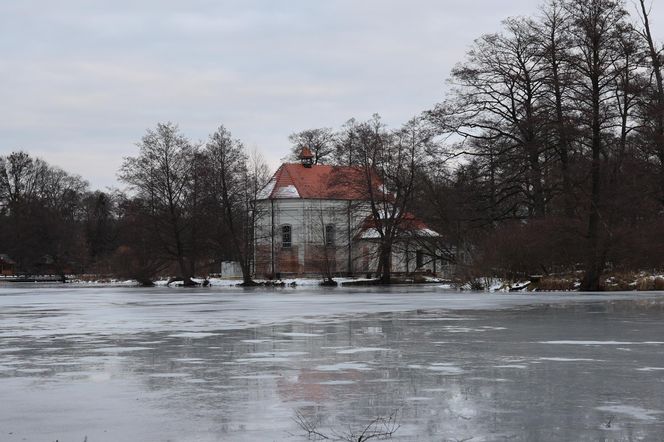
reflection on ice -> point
(207, 366)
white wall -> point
(308, 219)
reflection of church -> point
(315, 219)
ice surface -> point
(232, 364)
(602, 343)
(632, 411)
(299, 335)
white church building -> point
(314, 220)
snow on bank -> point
(291, 282)
(102, 282)
(214, 282)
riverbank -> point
(615, 281)
(569, 282)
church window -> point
(286, 236)
(330, 235)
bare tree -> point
(390, 163)
(595, 36)
(230, 188)
(497, 101)
(140, 255)
(320, 141)
(162, 175)
(42, 208)
(653, 118)
(346, 144)
(552, 31)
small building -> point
(231, 270)
(7, 265)
(314, 219)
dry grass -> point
(650, 283)
(556, 284)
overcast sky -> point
(81, 80)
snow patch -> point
(266, 191)
(445, 368)
(261, 360)
(352, 351)
(289, 191)
(601, 342)
(189, 360)
(193, 335)
(336, 383)
(630, 410)
(257, 376)
(344, 366)
(120, 349)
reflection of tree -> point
(382, 427)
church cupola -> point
(306, 157)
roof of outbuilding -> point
(319, 181)
(408, 225)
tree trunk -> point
(594, 258)
(386, 264)
(538, 199)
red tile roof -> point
(319, 182)
(407, 224)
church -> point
(316, 220)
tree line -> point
(185, 210)
(547, 154)
(545, 157)
(560, 120)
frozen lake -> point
(123, 364)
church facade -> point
(314, 220)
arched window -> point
(330, 235)
(286, 236)
(419, 259)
